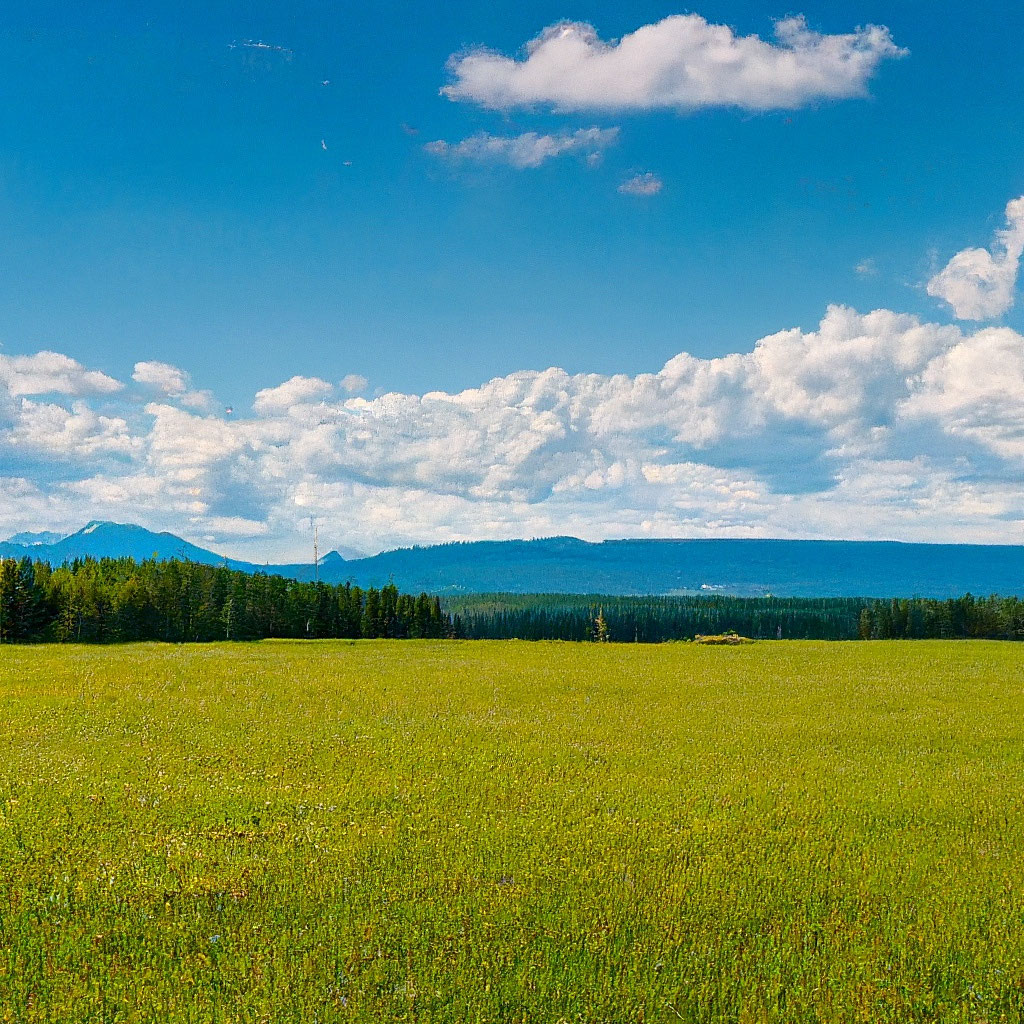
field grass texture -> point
(512, 832)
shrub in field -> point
(728, 639)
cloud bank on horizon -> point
(874, 425)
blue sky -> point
(172, 193)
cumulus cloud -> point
(353, 383)
(527, 150)
(76, 433)
(979, 283)
(52, 373)
(647, 184)
(682, 62)
(875, 424)
(976, 390)
(161, 376)
(172, 382)
(293, 392)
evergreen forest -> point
(657, 619)
(118, 599)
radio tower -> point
(316, 548)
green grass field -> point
(486, 831)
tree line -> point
(117, 599)
(657, 619)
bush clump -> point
(721, 638)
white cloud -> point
(527, 150)
(976, 390)
(173, 383)
(866, 268)
(231, 526)
(353, 383)
(259, 44)
(681, 63)
(162, 376)
(872, 424)
(292, 392)
(77, 433)
(47, 373)
(647, 184)
(979, 283)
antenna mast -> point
(316, 548)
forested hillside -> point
(119, 599)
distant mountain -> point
(790, 568)
(98, 539)
(125, 540)
(32, 539)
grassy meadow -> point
(511, 832)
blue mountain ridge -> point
(125, 540)
(785, 568)
(43, 537)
